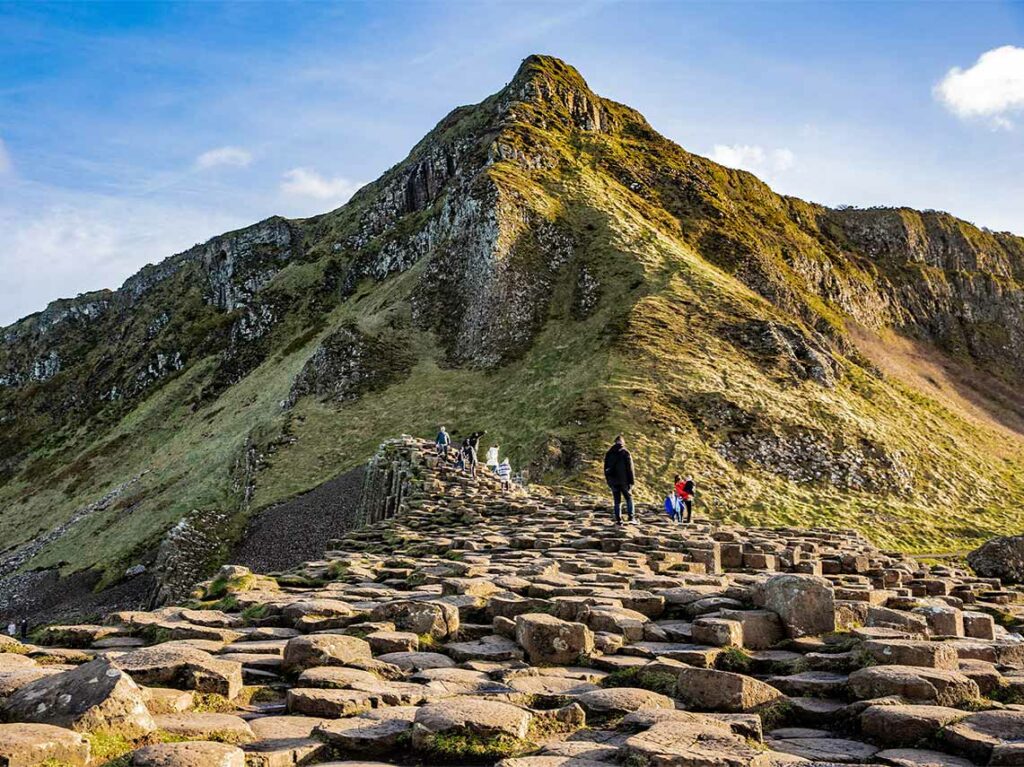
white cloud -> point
(754, 158)
(992, 88)
(55, 243)
(224, 155)
(5, 159)
(303, 182)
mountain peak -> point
(558, 89)
(538, 66)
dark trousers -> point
(686, 507)
(618, 493)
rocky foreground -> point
(475, 627)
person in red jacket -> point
(685, 489)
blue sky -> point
(130, 131)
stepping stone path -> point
(471, 625)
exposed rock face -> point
(1001, 558)
(349, 363)
(946, 281)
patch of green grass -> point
(429, 643)
(155, 634)
(462, 748)
(211, 703)
(255, 612)
(221, 587)
(663, 682)
(734, 659)
(226, 604)
(1010, 694)
(775, 715)
(107, 746)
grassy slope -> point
(581, 381)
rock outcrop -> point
(1001, 558)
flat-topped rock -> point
(906, 726)
(711, 690)
(913, 683)
(324, 650)
(191, 754)
(31, 745)
(185, 667)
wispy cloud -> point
(992, 89)
(224, 155)
(5, 159)
(59, 243)
(754, 158)
(305, 182)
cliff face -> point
(546, 266)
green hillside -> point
(545, 266)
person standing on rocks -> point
(469, 459)
(492, 457)
(685, 489)
(618, 473)
(444, 443)
(504, 472)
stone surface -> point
(184, 667)
(547, 639)
(1001, 558)
(31, 745)
(944, 688)
(804, 603)
(324, 650)
(711, 690)
(93, 697)
(194, 754)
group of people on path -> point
(619, 474)
(467, 456)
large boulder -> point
(437, 619)
(706, 689)
(979, 735)
(804, 603)
(549, 640)
(906, 726)
(1001, 558)
(30, 745)
(93, 697)
(325, 650)
(473, 721)
(914, 683)
(184, 667)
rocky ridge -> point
(523, 628)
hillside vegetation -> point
(545, 266)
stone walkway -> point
(480, 627)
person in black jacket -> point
(618, 473)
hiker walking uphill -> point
(618, 473)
